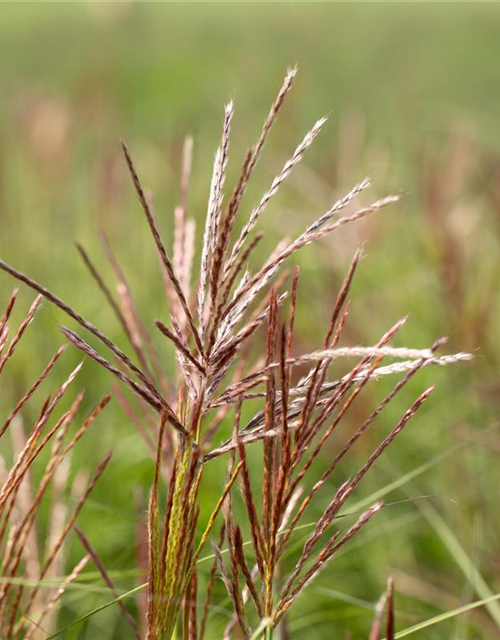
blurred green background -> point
(413, 93)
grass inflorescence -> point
(280, 402)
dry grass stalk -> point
(384, 605)
(390, 629)
(24, 608)
(36, 625)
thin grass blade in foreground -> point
(448, 615)
(91, 554)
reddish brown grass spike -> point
(160, 246)
(102, 570)
(390, 623)
(78, 318)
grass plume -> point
(213, 329)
